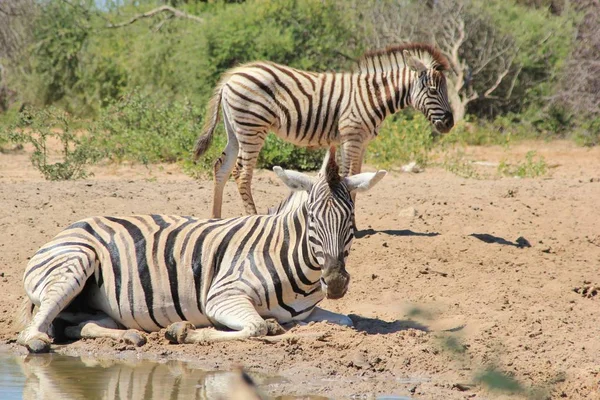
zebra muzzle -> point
(335, 287)
(443, 125)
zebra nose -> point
(449, 119)
(445, 123)
(334, 282)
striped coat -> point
(320, 109)
(148, 272)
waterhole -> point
(59, 377)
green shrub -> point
(41, 128)
(287, 155)
(455, 161)
(530, 168)
(588, 133)
(144, 129)
(402, 138)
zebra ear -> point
(293, 179)
(365, 181)
(413, 63)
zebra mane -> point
(292, 202)
(390, 57)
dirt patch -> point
(449, 276)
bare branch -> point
(499, 79)
(175, 12)
(512, 82)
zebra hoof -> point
(38, 346)
(273, 327)
(177, 332)
(135, 338)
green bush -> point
(286, 155)
(143, 129)
(52, 127)
(402, 138)
(588, 133)
(532, 167)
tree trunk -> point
(457, 103)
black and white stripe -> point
(147, 272)
(320, 109)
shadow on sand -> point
(392, 232)
(521, 242)
(374, 326)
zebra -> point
(319, 109)
(248, 274)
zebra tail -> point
(25, 314)
(212, 118)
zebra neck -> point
(385, 91)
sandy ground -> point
(442, 245)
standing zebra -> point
(319, 109)
(148, 272)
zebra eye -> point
(432, 90)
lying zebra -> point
(147, 272)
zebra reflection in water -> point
(55, 377)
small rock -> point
(411, 167)
(460, 386)
(360, 362)
(409, 212)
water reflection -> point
(55, 377)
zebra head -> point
(330, 215)
(429, 93)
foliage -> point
(488, 374)
(498, 380)
(588, 133)
(286, 155)
(59, 36)
(402, 138)
(456, 162)
(532, 167)
(48, 128)
(143, 129)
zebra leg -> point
(320, 315)
(224, 165)
(243, 319)
(352, 150)
(247, 158)
(356, 168)
(105, 327)
(59, 289)
(352, 157)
